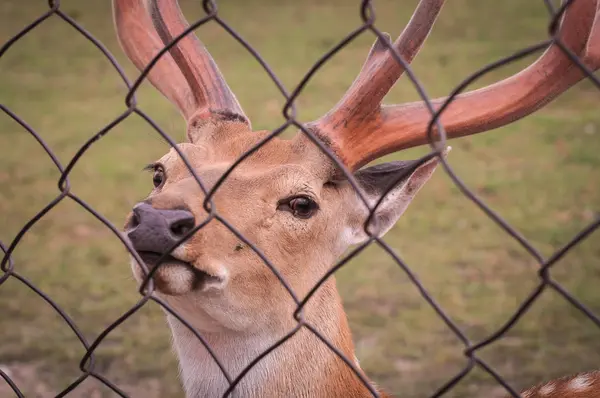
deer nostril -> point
(134, 221)
(137, 215)
(181, 227)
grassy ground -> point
(541, 174)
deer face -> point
(287, 198)
(282, 199)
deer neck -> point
(302, 366)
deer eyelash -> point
(153, 167)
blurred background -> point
(541, 174)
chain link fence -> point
(367, 11)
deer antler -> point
(359, 129)
(187, 75)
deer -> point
(293, 204)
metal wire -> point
(366, 10)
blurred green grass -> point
(541, 174)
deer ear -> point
(384, 178)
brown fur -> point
(582, 385)
(254, 301)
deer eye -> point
(158, 177)
(300, 206)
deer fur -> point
(248, 309)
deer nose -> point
(157, 230)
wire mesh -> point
(368, 15)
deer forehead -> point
(260, 174)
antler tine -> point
(381, 71)
(187, 74)
(378, 74)
(391, 128)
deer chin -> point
(175, 277)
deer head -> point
(288, 198)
